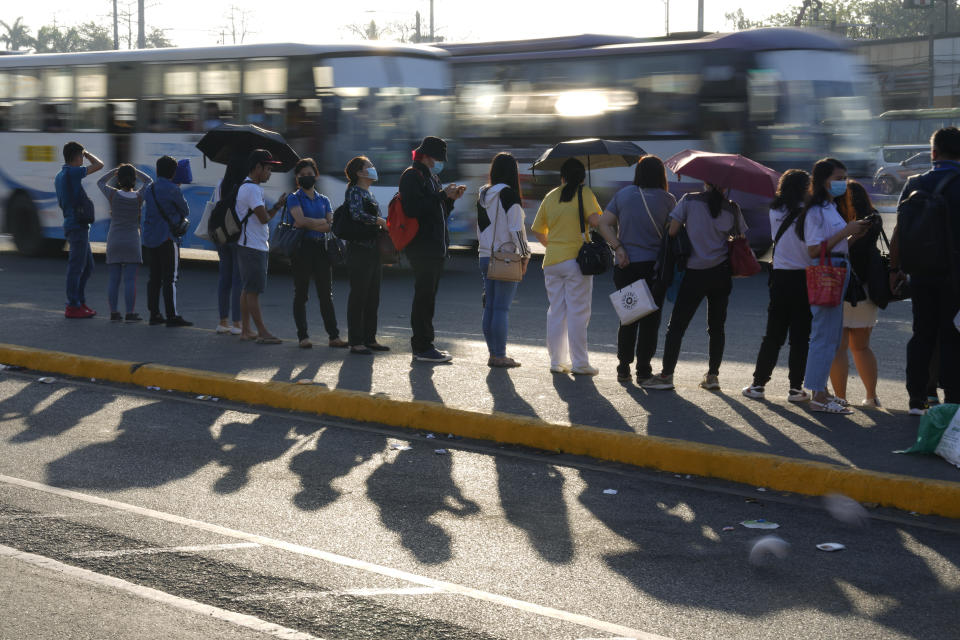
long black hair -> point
(715, 199)
(819, 188)
(650, 173)
(503, 170)
(573, 173)
(236, 172)
(792, 193)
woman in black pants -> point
(633, 224)
(363, 259)
(789, 310)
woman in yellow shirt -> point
(570, 293)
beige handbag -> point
(504, 265)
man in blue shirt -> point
(165, 208)
(73, 201)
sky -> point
(199, 23)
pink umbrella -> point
(725, 170)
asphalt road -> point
(341, 532)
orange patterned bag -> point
(825, 281)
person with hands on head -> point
(363, 258)
(72, 198)
(312, 212)
(633, 224)
(425, 199)
(253, 248)
(821, 223)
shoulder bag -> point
(595, 256)
(179, 229)
(743, 263)
(504, 265)
(825, 281)
(286, 238)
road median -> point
(927, 496)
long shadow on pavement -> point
(585, 403)
(335, 454)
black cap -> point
(260, 156)
(434, 147)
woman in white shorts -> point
(859, 319)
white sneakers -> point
(577, 371)
(223, 330)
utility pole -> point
(666, 17)
(431, 22)
(700, 16)
(416, 34)
(116, 28)
(141, 29)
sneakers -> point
(177, 321)
(77, 312)
(376, 346)
(305, 344)
(156, 318)
(755, 391)
(115, 316)
(130, 318)
(623, 372)
(88, 310)
(236, 331)
(560, 368)
(797, 395)
(660, 382)
(223, 329)
(918, 411)
(433, 355)
(871, 403)
(585, 370)
(710, 382)
(338, 343)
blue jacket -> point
(156, 229)
(68, 186)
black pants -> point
(426, 280)
(935, 304)
(788, 312)
(164, 262)
(310, 261)
(714, 284)
(363, 264)
(639, 337)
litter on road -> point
(430, 436)
(46, 380)
(304, 381)
(610, 492)
(846, 510)
(768, 546)
(202, 398)
(831, 546)
(759, 523)
(729, 528)
(760, 489)
(153, 388)
(441, 452)
(396, 446)
(11, 367)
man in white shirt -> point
(253, 248)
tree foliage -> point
(53, 38)
(17, 35)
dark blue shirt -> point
(68, 185)
(156, 229)
(929, 180)
(317, 208)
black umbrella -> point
(592, 152)
(222, 143)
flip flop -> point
(829, 407)
(269, 340)
(250, 337)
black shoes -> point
(176, 321)
(156, 318)
(132, 317)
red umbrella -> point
(725, 170)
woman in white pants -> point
(557, 227)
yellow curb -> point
(778, 473)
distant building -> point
(902, 68)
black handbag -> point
(855, 291)
(286, 238)
(177, 229)
(335, 248)
(595, 256)
(83, 211)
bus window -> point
(180, 80)
(57, 83)
(91, 83)
(267, 113)
(56, 116)
(904, 131)
(25, 115)
(265, 77)
(91, 115)
(121, 116)
(172, 115)
(217, 112)
(220, 79)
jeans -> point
(310, 261)
(826, 331)
(426, 281)
(129, 272)
(164, 263)
(363, 264)
(639, 337)
(498, 296)
(789, 311)
(79, 265)
(570, 294)
(228, 283)
(714, 284)
(935, 304)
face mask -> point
(307, 182)
(437, 167)
(838, 188)
(372, 173)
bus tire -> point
(23, 223)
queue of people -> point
(817, 217)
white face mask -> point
(372, 173)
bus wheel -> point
(24, 225)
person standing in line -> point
(569, 292)
(500, 227)
(710, 219)
(363, 258)
(789, 309)
(859, 320)
(123, 238)
(822, 223)
(934, 298)
(426, 200)
(71, 197)
(312, 212)
(253, 248)
(633, 224)
(228, 273)
(165, 208)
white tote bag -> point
(633, 302)
(201, 230)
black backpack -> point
(924, 231)
(346, 228)
(225, 225)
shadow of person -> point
(61, 415)
(422, 385)
(334, 454)
(586, 405)
(407, 504)
(156, 443)
(356, 372)
(545, 522)
(244, 446)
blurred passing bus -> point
(330, 102)
(915, 126)
(783, 97)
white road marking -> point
(362, 592)
(239, 619)
(151, 550)
(362, 565)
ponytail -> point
(573, 173)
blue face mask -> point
(838, 188)
(437, 167)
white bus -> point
(331, 102)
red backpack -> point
(402, 228)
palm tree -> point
(17, 36)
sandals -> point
(502, 362)
(830, 406)
(269, 340)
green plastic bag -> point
(932, 427)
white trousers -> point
(570, 294)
